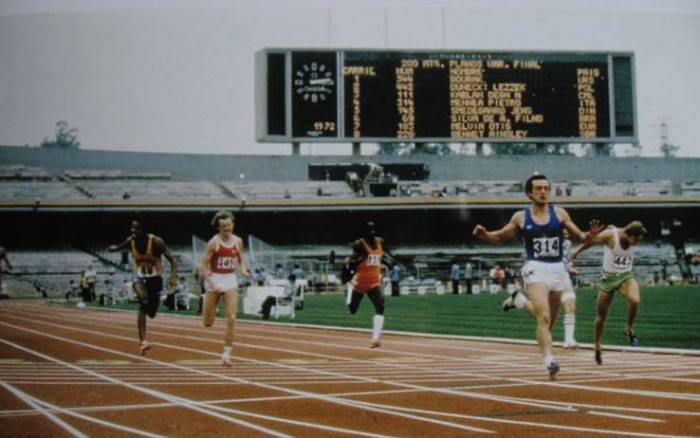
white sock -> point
(227, 351)
(548, 360)
(377, 326)
(569, 326)
(519, 300)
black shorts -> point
(149, 303)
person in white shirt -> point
(618, 257)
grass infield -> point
(668, 317)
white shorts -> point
(222, 282)
(554, 275)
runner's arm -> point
(601, 237)
(204, 270)
(172, 279)
(506, 233)
(124, 244)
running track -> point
(71, 372)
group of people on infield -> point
(544, 228)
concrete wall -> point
(295, 168)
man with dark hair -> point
(618, 257)
(222, 261)
(366, 263)
(147, 251)
(541, 226)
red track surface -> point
(67, 372)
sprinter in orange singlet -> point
(366, 261)
(222, 262)
(147, 251)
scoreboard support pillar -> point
(356, 148)
(296, 148)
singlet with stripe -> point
(542, 242)
(225, 257)
(369, 271)
(146, 264)
(617, 260)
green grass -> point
(668, 316)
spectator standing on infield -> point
(469, 276)
(454, 276)
(540, 226)
(87, 284)
(147, 251)
(618, 258)
(395, 278)
(222, 261)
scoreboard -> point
(424, 96)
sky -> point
(178, 76)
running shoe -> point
(375, 343)
(226, 360)
(144, 347)
(553, 369)
(599, 357)
(509, 302)
(632, 338)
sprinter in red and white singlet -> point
(222, 262)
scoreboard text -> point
(355, 96)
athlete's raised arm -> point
(509, 231)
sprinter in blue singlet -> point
(540, 226)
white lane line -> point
(543, 425)
(182, 402)
(672, 395)
(169, 334)
(107, 408)
(62, 424)
(349, 403)
(381, 408)
(56, 409)
(585, 406)
(627, 417)
(683, 396)
(282, 365)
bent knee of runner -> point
(544, 319)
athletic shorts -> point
(222, 282)
(612, 281)
(554, 275)
(149, 303)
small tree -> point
(66, 137)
